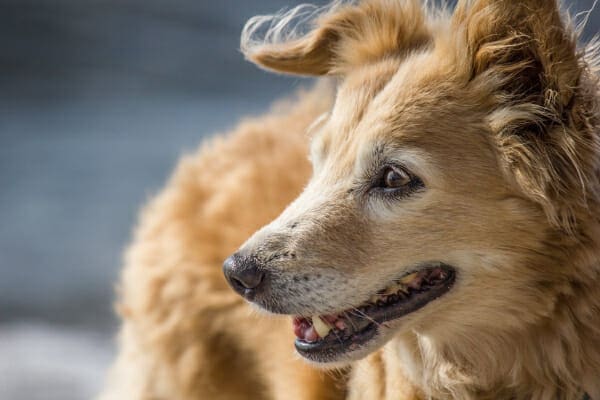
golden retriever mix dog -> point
(446, 245)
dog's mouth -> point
(324, 338)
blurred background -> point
(98, 100)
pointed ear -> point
(524, 54)
(340, 37)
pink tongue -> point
(310, 335)
(304, 329)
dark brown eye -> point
(394, 182)
(395, 178)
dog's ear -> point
(543, 122)
(525, 42)
(340, 36)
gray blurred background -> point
(98, 99)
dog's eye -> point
(395, 178)
(395, 181)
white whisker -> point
(363, 315)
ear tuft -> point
(288, 41)
(316, 41)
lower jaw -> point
(334, 352)
(334, 348)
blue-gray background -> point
(98, 99)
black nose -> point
(244, 275)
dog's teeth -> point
(408, 278)
(321, 327)
(391, 290)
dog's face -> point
(415, 218)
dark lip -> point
(331, 348)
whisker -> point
(365, 316)
(351, 322)
(337, 336)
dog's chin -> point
(340, 358)
(351, 334)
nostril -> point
(249, 278)
(238, 285)
(243, 274)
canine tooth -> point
(408, 278)
(320, 326)
(391, 290)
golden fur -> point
(494, 107)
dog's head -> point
(450, 177)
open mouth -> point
(324, 338)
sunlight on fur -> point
(443, 242)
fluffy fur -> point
(494, 107)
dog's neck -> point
(557, 357)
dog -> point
(445, 246)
